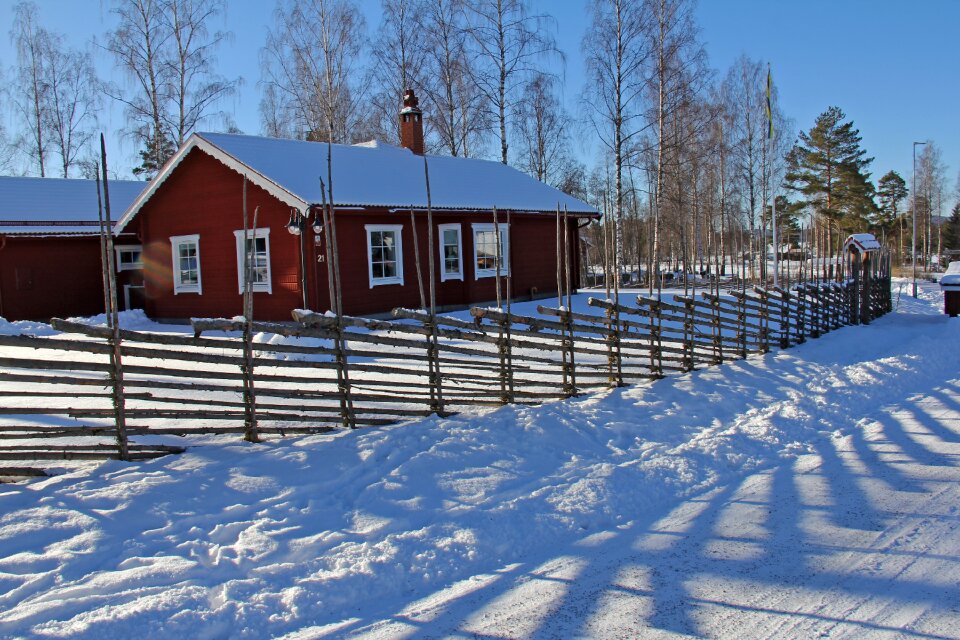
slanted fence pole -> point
(764, 321)
(715, 324)
(433, 341)
(249, 255)
(569, 318)
(687, 332)
(416, 260)
(509, 332)
(339, 344)
(113, 321)
(563, 351)
(742, 323)
(658, 336)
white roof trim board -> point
(862, 242)
(369, 175)
(57, 206)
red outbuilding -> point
(50, 259)
(191, 224)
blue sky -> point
(891, 66)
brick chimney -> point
(411, 123)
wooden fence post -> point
(785, 313)
(716, 329)
(614, 358)
(433, 366)
(658, 336)
(688, 335)
(505, 351)
(801, 315)
(764, 321)
(113, 320)
(569, 339)
(742, 323)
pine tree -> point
(156, 151)
(891, 191)
(828, 168)
(951, 230)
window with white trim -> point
(186, 264)
(451, 252)
(384, 254)
(485, 250)
(129, 257)
(258, 253)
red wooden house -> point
(190, 221)
(50, 260)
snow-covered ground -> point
(809, 492)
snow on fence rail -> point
(70, 397)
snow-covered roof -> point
(951, 277)
(370, 175)
(57, 206)
(861, 242)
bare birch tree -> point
(399, 61)
(743, 98)
(510, 43)
(452, 99)
(676, 53)
(616, 54)
(139, 45)
(73, 101)
(542, 130)
(56, 94)
(194, 89)
(7, 149)
(168, 54)
(30, 92)
(309, 65)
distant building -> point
(191, 223)
(50, 260)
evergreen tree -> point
(157, 149)
(891, 191)
(828, 168)
(951, 230)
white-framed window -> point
(129, 257)
(258, 251)
(485, 250)
(186, 264)
(451, 252)
(384, 254)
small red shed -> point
(50, 262)
(191, 222)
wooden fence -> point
(93, 393)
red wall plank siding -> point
(41, 278)
(532, 248)
(202, 196)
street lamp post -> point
(913, 239)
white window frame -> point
(127, 248)
(483, 227)
(398, 230)
(257, 287)
(444, 276)
(178, 286)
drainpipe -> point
(303, 260)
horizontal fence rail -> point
(59, 394)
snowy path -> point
(811, 492)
